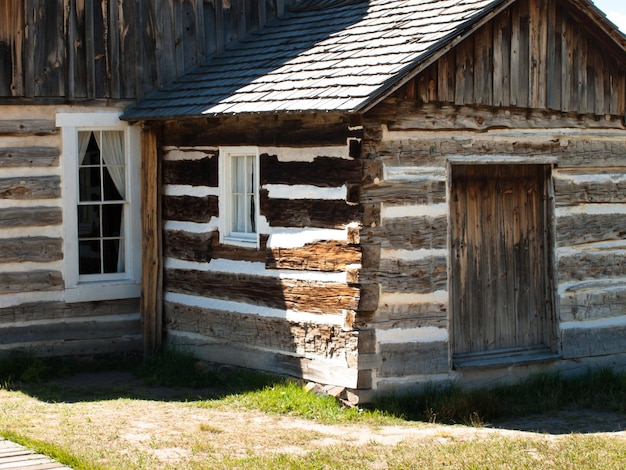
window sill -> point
(504, 358)
(103, 290)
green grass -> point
(49, 450)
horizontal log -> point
(278, 334)
(190, 208)
(31, 249)
(289, 130)
(413, 192)
(82, 347)
(410, 114)
(283, 294)
(40, 187)
(311, 369)
(30, 217)
(308, 213)
(593, 341)
(60, 330)
(421, 276)
(29, 157)
(406, 359)
(585, 265)
(587, 228)
(238, 253)
(62, 310)
(23, 127)
(188, 246)
(33, 281)
(592, 300)
(328, 256)
(600, 188)
(322, 171)
(409, 233)
(201, 172)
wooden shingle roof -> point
(323, 55)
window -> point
(101, 205)
(239, 171)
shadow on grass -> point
(593, 403)
(171, 376)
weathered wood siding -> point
(288, 306)
(33, 313)
(498, 97)
(94, 49)
(536, 54)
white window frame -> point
(225, 191)
(80, 288)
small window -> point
(239, 172)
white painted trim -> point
(249, 309)
(225, 180)
(120, 286)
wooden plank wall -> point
(289, 306)
(537, 55)
(115, 49)
(33, 313)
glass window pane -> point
(251, 214)
(89, 183)
(110, 256)
(88, 221)
(111, 220)
(92, 155)
(89, 257)
(110, 190)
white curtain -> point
(83, 143)
(111, 145)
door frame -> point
(521, 356)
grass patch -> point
(54, 452)
(602, 389)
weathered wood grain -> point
(420, 192)
(40, 187)
(587, 228)
(322, 171)
(40, 280)
(585, 265)
(410, 233)
(412, 276)
(601, 187)
(29, 156)
(593, 341)
(327, 256)
(412, 315)
(31, 249)
(190, 208)
(592, 300)
(284, 294)
(61, 310)
(276, 334)
(30, 217)
(202, 172)
(308, 213)
(188, 246)
(25, 127)
(406, 359)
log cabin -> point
(70, 194)
(373, 195)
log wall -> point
(33, 311)
(288, 306)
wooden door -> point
(501, 287)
